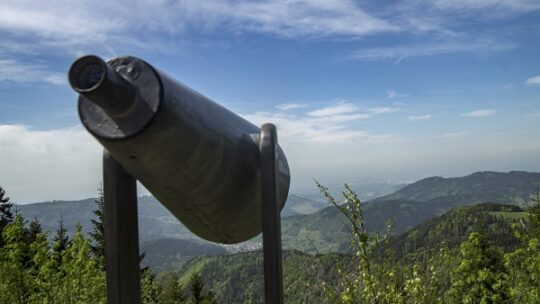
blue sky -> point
(359, 90)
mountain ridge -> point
(519, 185)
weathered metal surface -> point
(200, 160)
(121, 234)
(271, 224)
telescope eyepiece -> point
(98, 82)
(87, 74)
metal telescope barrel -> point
(197, 158)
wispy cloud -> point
(500, 8)
(76, 27)
(340, 108)
(343, 111)
(328, 125)
(290, 106)
(304, 18)
(301, 129)
(454, 134)
(400, 52)
(63, 27)
(533, 80)
(14, 71)
(480, 113)
(79, 23)
(391, 94)
(419, 117)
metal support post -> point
(271, 223)
(121, 234)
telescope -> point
(219, 174)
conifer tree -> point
(6, 215)
(61, 239)
(196, 288)
(84, 281)
(171, 290)
(44, 274)
(150, 290)
(14, 285)
(97, 234)
(33, 230)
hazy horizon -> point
(334, 186)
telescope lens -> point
(90, 76)
(86, 73)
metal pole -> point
(121, 234)
(271, 223)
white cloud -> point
(419, 117)
(533, 80)
(344, 111)
(480, 113)
(290, 106)
(16, 71)
(400, 52)
(52, 164)
(381, 110)
(390, 94)
(294, 129)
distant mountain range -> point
(155, 221)
(306, 224)
(324, 231)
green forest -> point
(72, 270)
(479, 253)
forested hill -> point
(324, 231)
(512, 187)
(493, 221)
(238, 278)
